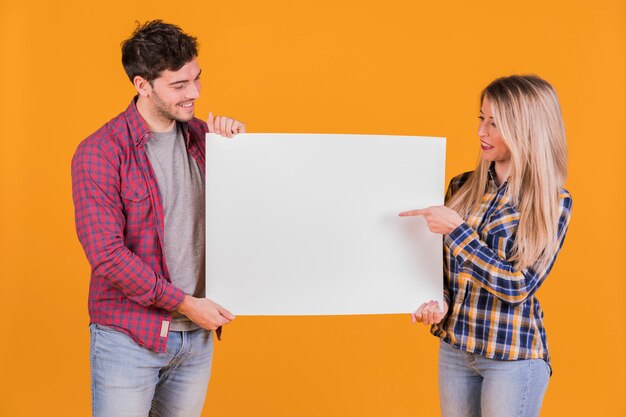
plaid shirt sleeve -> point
(452, 188)
(100, 224)
(496, 275)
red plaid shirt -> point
(119, 221)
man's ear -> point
(142, 85)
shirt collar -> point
(492, 177)
(139, 130)
(491, 172)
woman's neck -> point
(502, 171)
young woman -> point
(503, 225)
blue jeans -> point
(128, 380)
(471, 385)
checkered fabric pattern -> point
(119, 222)
(493, 310)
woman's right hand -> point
(429, 313)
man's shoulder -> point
(198, 127)
(113, 136)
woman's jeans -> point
(128, 380)
(471, 385)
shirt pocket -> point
(499, 233)
(137, 207)
(135, 192)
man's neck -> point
(155, 124)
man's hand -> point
(429, 313)
(225, 126)
(440, 219)
(204, 312)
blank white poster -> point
(307, 224)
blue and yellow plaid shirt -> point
(492, 309)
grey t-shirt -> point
(181, 185)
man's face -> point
(173, 93)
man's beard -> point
(162, 112)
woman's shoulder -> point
(565, 199)
(565, 195)
(458, 181)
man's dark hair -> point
(157, 46)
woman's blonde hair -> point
(526, 111)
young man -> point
(138, 189)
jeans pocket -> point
(103, 328)
(106, 340)
(548, 367)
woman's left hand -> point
(440, 219)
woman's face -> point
(491, 143)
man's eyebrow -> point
(184, 81)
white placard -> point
(307, 224)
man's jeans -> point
(128, 380)
(473, 386)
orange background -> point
(380, 67)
